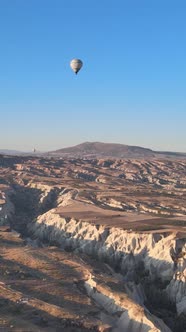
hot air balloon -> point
(76, 65)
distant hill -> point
(11, 152)
(19, 153)
(98, 149)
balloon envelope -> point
(76, 65)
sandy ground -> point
(129, 221)
(39, 289)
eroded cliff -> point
(146, 255)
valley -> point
(92, 244)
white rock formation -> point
(158, 253)
(6, 208)
(129, 316)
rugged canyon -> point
(92, 244)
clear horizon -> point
(131, 89)
(68, 146)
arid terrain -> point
(114, 150)
(92, 244)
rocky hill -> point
(112, 150)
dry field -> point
(133, 194)
(41, 289)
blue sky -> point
(131, 89)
